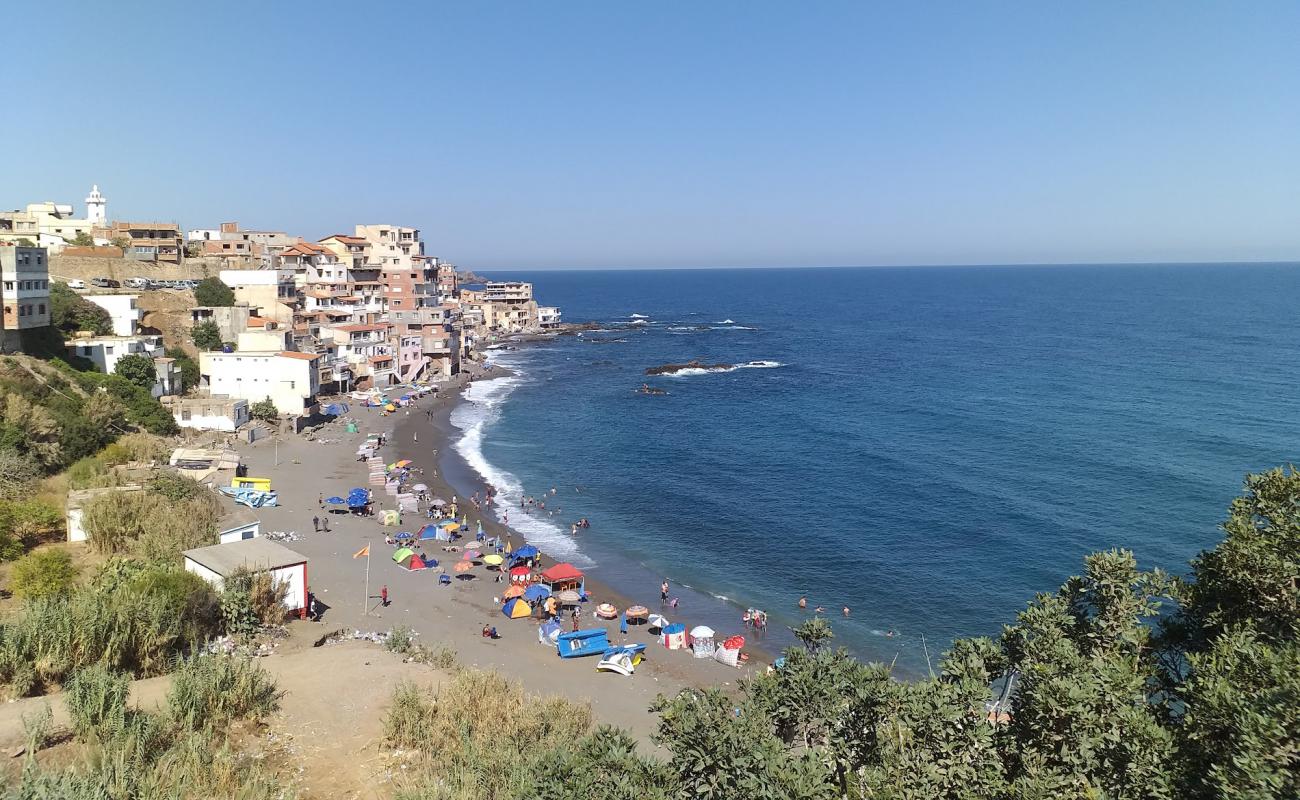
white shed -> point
(217, 562)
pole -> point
(365, 604)
(277, 448)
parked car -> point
(137, 283)
(112, 284)
(102, 283)
(76, 284)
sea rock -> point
(672, 369)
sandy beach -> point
(453, 615)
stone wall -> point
(65, 267)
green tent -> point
(403, 552)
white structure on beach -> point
(217, 562)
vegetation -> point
(137, 368)
(214, 691)
(82, 239)
(122, 241)
(189, 367)
(212, 292)
(70, 312)
(264, 410)
(250, 602)
(24, 523)
(172, 514)
(206, 336)
(43, 573)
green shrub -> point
(137, 368)
(91, 472)
(24, 522)
(96, 699)
(251, 601)
(264, 410)
(212, 691)
(174, 487)
(408, 722)
(212, 292)
(43, 573)
(400, 639)
(70, 312)
(18, 474)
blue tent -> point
(336, 409)
(536, 592)
(527, 551)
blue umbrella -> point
(527, 551)
(536, 592)
(337, 501)
(405, 535)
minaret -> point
(96, 207)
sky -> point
(676, 134)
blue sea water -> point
(936, 445)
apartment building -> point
(351, 250)
(391, 246)
(263, 245)
(24, 290)
(271, 293)
(289, 379)
(106, 351)
(147, 241)
(124, 310)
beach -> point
(454, 615)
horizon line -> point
(962, 265)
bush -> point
(25, 522)
(212, 292)
(174, 487)
(137, 368)
(251, 601)
(409, 721)
(18, 474)
(264, 410)
(399, 640)
(206, 336)
(43, 573)
(189, 367)
(96, 699)
(213, 691)
(70, 312)
(91, 472)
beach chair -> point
(445, 580)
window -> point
(42, 308)
(108, 351)
(185, 415)
(9, 286)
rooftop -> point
(257, 554)
(299, 356)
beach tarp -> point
(336, 409)
(516, 608)
(251, 497)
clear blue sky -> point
(559, 133)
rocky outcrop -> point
(673, 369)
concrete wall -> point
(67, 267)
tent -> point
(389, 517)
(536, 592)
(401, 553)
(527, 551)
(729, 651)
(413, 562)
(432, 532)
(702, 641)
(520, 575)
(548, 632)
(516, 609)
(674, 636)
(564, 576)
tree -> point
(212, 292)
(264, 410)
(82, 239)
(189, 367)
(193, 249)
(18, 474)
(122, 241)
(814, 633)
(137, 368)
(206, 336)
(25, 242)
(42, 573)
(70, 312)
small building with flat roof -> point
(215, 563)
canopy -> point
(516, 609)
(527, 551)
(493, 560)
(520, 572)
(568, 597)
(463, 566)
(564, 571)
(536, 592)
(701, 632)
(402, 552)
(514, 591)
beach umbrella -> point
(335, 501)
(420, 487)
(520, 574)
(463, 566)
(472, 546)
(493, 560)
(527, 551)
(437, 501)
(536, 592)
(514, 591)
(405, 462)
(658, 621)
(405, 535)
(701, 632)
(636, 613)
(568, 597)
(515, 608)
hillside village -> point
(351, 313)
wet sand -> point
(454, 614)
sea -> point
(928, 447)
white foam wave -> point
(726, 322)
(639, 316)
(483, 407)
(734, 328)
(733, 368)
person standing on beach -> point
(315, 523)
(663, 592)
(383, 595)
(320, 500)
(575, 620)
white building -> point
(96, 207)
(291, 380)
(106, 351)
(214, 413)
(269, 292)
(122, 308)
(507, 292)
(548, 317)
(217, 562)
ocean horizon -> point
(929, 446)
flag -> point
(362, 553)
